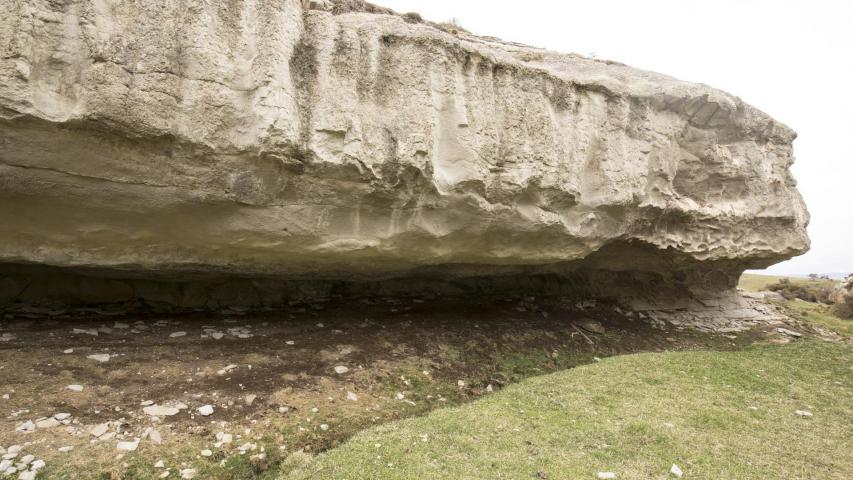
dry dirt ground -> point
(283, 382)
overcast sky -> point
(790, 58)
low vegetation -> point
(812, 291)
(769, 412)
(757, 283)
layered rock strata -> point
(200, 154)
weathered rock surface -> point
(200, 154)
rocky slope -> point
(205, 153)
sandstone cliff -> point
(161, 141)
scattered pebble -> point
(100, 357)
(129, 446)
(26, 427)
(188, 473)
(247, 447)
(177, 334)
(206, 453)
(160, 411)
(804, 413)
(47, 423)
(75, 388)
(65, 449)
(676, 471)
(324, 427)
(99, 430)
(340, 369)
(352, 397)
(206, 410)
(67, 351)
(790, 333)
(606, 475)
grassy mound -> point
(715, 414)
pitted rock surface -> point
(145, 145)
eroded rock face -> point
(149, 144)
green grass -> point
(820, 315)
(634, 415)
(756, 283)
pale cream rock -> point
(152, 139)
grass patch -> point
(819, 314)
(715, 414)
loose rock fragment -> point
(205, 410)
(129, 446)
(160, 411)
(99, 357)
(26, 427)
(676, 471)
(99, 430)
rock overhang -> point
(273, 140)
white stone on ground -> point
(47, 423)
(128, 446)
(205, 410)
(606, 475)
(177, 334)
(99, 357)
(188, 473)
(206, 453)
(160, 411)
(75, 388)
(99, 430)
(804, 413)
(352, 397)
(340, 369)
(676, 471)
(26, 427)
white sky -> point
(790, 58)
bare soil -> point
(282, 394)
